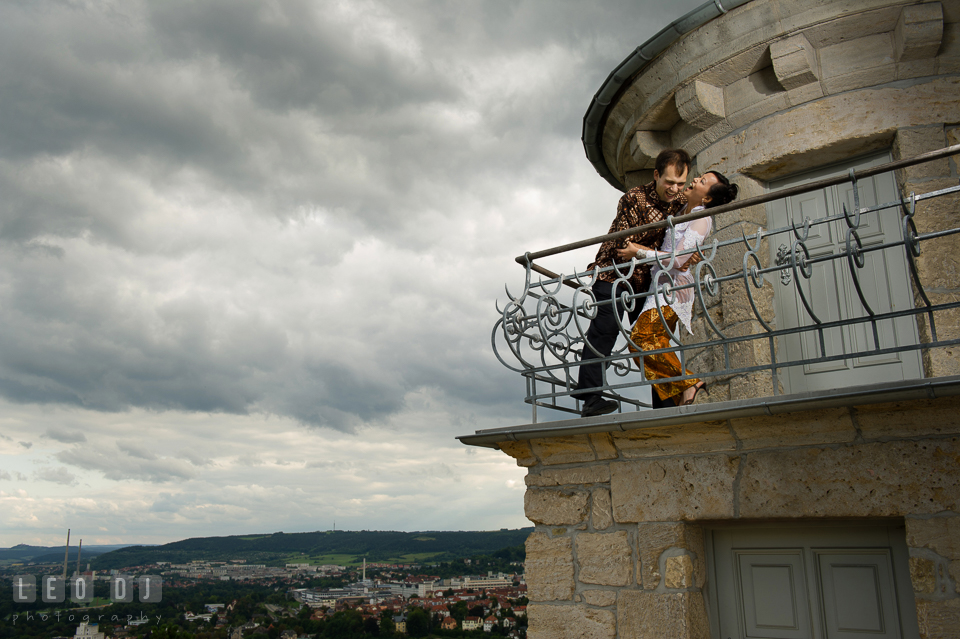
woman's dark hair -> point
(722, 192)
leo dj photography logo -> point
(53, 589)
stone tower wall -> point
(618, 551)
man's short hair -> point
(673, 157)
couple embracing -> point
(668, 195)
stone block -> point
(751, 352)
(700, 104)
(569, 622)
(910, 142)
(549, 568)
(855, 55)
(593, 474)
(758, 384)
(520, 451)
(910, 419)
(679, 572)
(737, 67)
(939, 619)
(916, 69)
(672, 440)
(601, 511)
(948, 60)
(563, 450)
(645, 146)
(650, 615)
(923, 575)
(851, 20)
(794, 62)
(806, 93)
(860, 79)
(829, 426)
(637, 178)
(673, 489)
(603, 446)
(554, 507)
(754, 216)
(737, 295)
(604, 559)
(833, 128)
(918, 31)
(943, 361)
(939, 534)
(869, 480)
(759, 110)
(600, 598)
(756, 87)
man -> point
(638, 206)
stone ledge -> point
(854, 396)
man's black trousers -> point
(602, 334)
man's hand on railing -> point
(639, 251)
(630, 251)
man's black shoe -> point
(597, 405)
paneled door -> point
(831, 290)
(803, 582)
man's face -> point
(670, 183)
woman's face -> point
(699, 186)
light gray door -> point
(811, 582)
(831, 290)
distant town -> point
(233, 599)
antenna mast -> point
(66, 552)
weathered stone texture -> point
(667, 440)
(646, 145)
(520, 451)
(599, 597)
(678, 572)
(604, 559)
(598, 474)
(549, 568)
(943, 361)
(923, 575)
(910, 419)
(867, 120)
(939, 534)
(601, 512)
(939, 619)
(700, 104)
(563, 450)
(649, 615)
(653, 539)
(910, 142)
(673, 489)
(870, 480)
(918, 31)
(569, 622)
(795, 429)
(794, 61)
(603, 445)
(555, 507)
(759, 384)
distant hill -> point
(339, 547)
(22, 553)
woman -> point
(709, 190)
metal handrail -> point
(554, 330)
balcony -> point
(829, 296)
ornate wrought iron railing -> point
(541, 331)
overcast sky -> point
(250, 253)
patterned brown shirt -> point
(638, 206)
